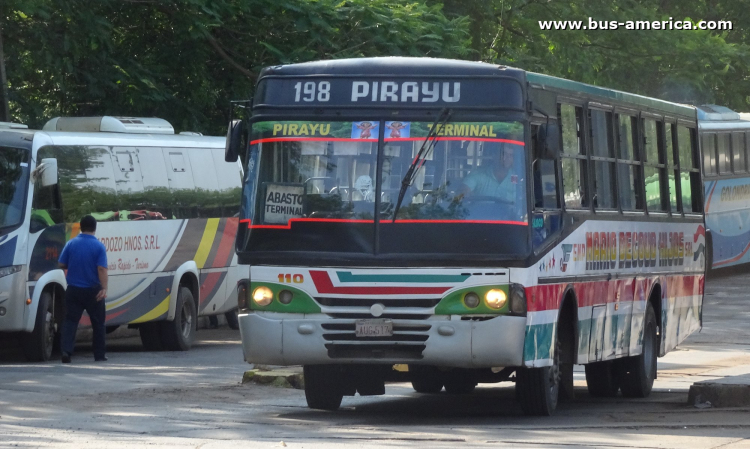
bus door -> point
(596, 342)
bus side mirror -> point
(235, 135)
(46, 172)
(548, 139)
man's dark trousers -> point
(77, 300)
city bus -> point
(724, 140)
(167, 206)
(451, 223)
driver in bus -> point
(494, 180)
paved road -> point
(194, 399)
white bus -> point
(167, 207)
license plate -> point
(373, 328)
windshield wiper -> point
(424, 151)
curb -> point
(288, 377)
(715, 394)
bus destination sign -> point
(318, 92)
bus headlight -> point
(263, 296)
(495, 298)
(517, 299)
(285, 296)
(471, 300)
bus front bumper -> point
(295, 339)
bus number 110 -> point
(288, 278)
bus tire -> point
(178, 334)
(425, 379)
(638, 372)
(232, 321)
(538, 389)
(37, 346)
(601, 379)
(323, 389)
(151, 336)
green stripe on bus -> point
(538, 341)
(347, 276)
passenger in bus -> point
(495, 179)
(85, 258)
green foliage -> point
(686, 66)
(184, 60)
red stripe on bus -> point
(224, 252)
(388, 139)
(324, 286)
(250, 225)
(733, 259)
(208, 285)
(548, 297)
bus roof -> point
(554, 83)
(142, 140)
(41, 138)
(717, 118)
(391, 65)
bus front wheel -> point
(37, 346)
(538, 388)
(323, 386)
(178, 334)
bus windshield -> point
(14, 180)
(327, 172)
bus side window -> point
(157, 198)
(573, 156)
(690, 175)
(654, 165)
(229, 177)
(129, 182)
(105, 204)
(738, 152)
(602, 146)
(206, 185)
(722, 145)
(708, 142)
(628, 170)
(181, 186)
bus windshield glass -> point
(14, 180)
(307, 172)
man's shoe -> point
(65, 357)
(101, 359)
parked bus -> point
(475, 222)
(167, 207)
(724, 140)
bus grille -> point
(367, 302)
(406, 343)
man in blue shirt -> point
(85, 258)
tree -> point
(184, 60)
